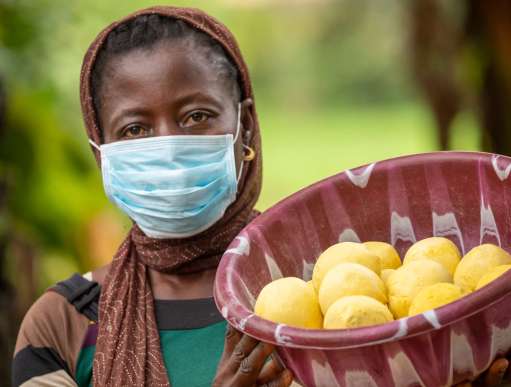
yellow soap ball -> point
(477, 262)
(355, 312)
(407, 281)
(434, 296)
(385, 274)
(311, 285)
(350, 279)
(389, 258)
(492, 275)
(290, 301)
(438, 249)
(344, 252)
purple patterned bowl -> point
(463, 196)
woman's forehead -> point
(165, 71)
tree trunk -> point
(433, 47)
(8, 305)
(489, 27)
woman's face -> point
(170, 89)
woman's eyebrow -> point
(127, 113)
(197, 96)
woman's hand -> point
(493, 377)
(243, 363)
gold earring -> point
(250, 155)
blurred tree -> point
(461, 59)
(434, 47)
(489, 31)
(49, 185)
(9, 300)
(8, 309)
(55, 190)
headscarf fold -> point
(128, 346)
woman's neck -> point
(182, 286)
(173, 286)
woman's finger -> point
(232, 338)
(270, 371)
(496, 372)
(250, 367)
(240, 352)
(284, 379)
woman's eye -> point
(135, 131)
(196, 118)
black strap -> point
(170, 314)
(82, 294)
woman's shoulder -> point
(61, 308)
(52, 331)
(98, 275)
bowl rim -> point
(247, 322)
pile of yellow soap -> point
(362, 284)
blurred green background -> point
(338, 84)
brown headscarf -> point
(128, 348)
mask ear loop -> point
(238, 125)
(94, 145)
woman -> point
(169, 111)
(168, 107)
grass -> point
(300, 148)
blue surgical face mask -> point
(172, 186)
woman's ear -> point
(247, 120)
